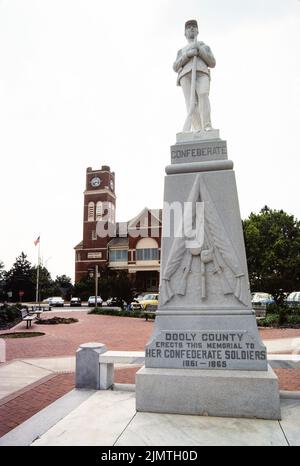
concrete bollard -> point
(87, 365)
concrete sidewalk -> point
(108, 418)
(283, 345)
(18, 374)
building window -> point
(118, 255)
(78, 256)
(94, 255)
(147, 254)
(147, 250)
(91, 212)
(94, 235)
(99, 210)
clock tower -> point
(99, 205)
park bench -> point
(95, 365)
(108, 359)
(27, 317)
(32, 314)
(38, 309)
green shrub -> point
(277, 320)
(294, 310)
(293, 320)
(271, 320)
(10, 314)
(283, 309)
(56, 320)
(113, 311)
(22, 335)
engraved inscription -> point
(206, 350)
(198, 152)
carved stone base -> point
(206, 339)
(208, 393)
(205, 355)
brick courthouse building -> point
(132, 246)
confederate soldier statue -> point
(192, 65)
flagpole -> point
(37, 301)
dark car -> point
(116, 302)
(75, 302)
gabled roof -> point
(79, 245)
(156, 213)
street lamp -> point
(97, 276)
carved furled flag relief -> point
(209, 245)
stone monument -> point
(205, 356)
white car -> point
(56, 301)
(92, 301)
(262, 298)
(293, 298)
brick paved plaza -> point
(118, 333)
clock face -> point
(111, 183)
(95, 182)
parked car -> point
(143, 302)
(135, 305)
(116, 302)
(92, 301)
(260, 298)
(56, 301)
(293, 299)
(75, 302)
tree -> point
(121, 286)
(63, 281)
(272, 240)
(19, 278)
(84, 288)
(46, 284)
(64, 284)
(111, 284)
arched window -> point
(91, 211)
(99, 210)
(147, 250)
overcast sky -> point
(90, 83)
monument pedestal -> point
(250, 394)
(205, 355)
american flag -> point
(37, 241)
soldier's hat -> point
(191, 22)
